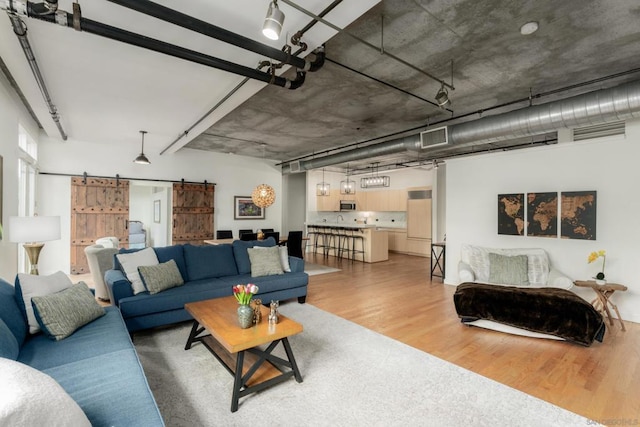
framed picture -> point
(156, 211)
(244, 208)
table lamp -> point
(31, 230)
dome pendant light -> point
(142, 159)
(273, 22)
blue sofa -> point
(97, 365)
(208, 271)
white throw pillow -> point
(37, 286)
(130, 263)
(29, 397)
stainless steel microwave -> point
(347, 205)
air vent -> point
(434, 137)
(418, 194)
(294, 166)
(599, 131)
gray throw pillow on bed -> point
(508, 270)
(158, 278)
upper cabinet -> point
(372, 200)
(329, 203)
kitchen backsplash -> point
(380, 219)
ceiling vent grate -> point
(294, 166)
(434, 138)
(599, 131)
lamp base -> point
(33, 252)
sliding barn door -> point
(99, 208)
(192, 213)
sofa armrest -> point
(465, 273)
(558, 280)
(117, 285)
(296, 264)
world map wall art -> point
(540, 214)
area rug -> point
(351, 377)
(314, 269)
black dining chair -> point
(241, 232)
(294, 244)
(224, 234)
(267, 230)
(274, 234)
(249, 236)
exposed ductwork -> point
(601, 106)
(20, 30)
(75, 20)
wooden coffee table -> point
(224, 338)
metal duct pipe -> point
(601, 106)
(114, 33)
(20, 30)
(185, 21)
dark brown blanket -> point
(550, 311)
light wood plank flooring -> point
(396, 298)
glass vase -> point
(245, 316)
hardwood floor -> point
(397, 299)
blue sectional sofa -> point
(208, 271)
(97, 366)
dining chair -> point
(274, 234)
(224, 234)
(249, 236)
(294, 244)
(241, 232)
(267, 230)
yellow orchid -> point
(594, 256)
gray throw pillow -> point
(265, 261)
(508, 270)
(158, 278)
(62, 313)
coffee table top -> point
(219, 316)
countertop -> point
(348, 225)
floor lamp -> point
(31, 231)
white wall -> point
(12, 113)
(607, 165)
(233, 176)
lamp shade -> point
(263, 196)
(28, 229)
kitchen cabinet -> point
(329, 203)
(383, 201)
(419, 218)
(398, 240)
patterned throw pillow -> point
(158, 278)
(508, 270)
(29, 286)
(62, 313)
(265, 261)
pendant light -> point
(142, 159)
(375, 180)
(263, 196)
(348, 186)
(323, 188)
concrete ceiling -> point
(106, 91)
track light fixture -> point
(273, 21)
(442, 97)
(142, 159)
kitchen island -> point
(374, 242)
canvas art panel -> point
(542, 214)
(511, 214)
(578, 215)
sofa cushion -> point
(130, 263)
(61, 314)
(176, 253)
(29, 285)
(508, 270)
(8, 344)
(157, 278)
(265, 261)
(32, 398)
(209, 261)
(240, 247)
(10, 312)
(477, 257)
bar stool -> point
(356, 236)
(333, 242)
(344, 241)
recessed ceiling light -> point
(529, 28)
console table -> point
(603, 297)
(438, 258)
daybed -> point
(91, 377)
(517, 291)
(203, 272)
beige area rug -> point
(314, 269)
(352, 377)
